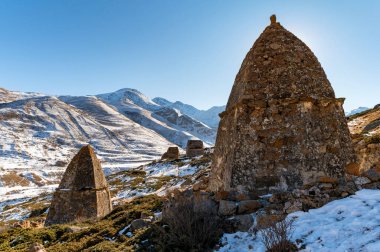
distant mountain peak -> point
(131, 90)
(162, 101)
(356, 111)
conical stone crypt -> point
(83, 192)
(282, 127)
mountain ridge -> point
(124, 126)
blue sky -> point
(181, 50)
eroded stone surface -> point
(83, 192)
(283, 127)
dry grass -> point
(276, 236)
(374, 139)
(94, 235)
(13, 179)
(188, 229)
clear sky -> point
(188, 50)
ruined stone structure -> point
(283, 127)
(83, 192)
(171, 153)
(194, 148)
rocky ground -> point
(138, 204)
(136, 194)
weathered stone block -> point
(373, 174)
(227, 207)
(139, 224)
(353, 169)
(248, 206)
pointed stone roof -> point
(283, 127)
(84, 172)
(279, 66)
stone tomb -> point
(83, 192)
(194, 148)
(282, 127)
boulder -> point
(22, 224)
(373, 185)
(227, 207)
(248, 206)
(73, 229)
(36, 247)
(139, 224)
(353, 169)
(373, 174)
(222, 195)
(325, 186)
(362, 181)
(243, 195)
(36, 224)
(327, 179)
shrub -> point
(276, 236)
(188, 229)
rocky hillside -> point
(209, 117)
(40, 134)
(365, 132)
(173, 124)
(365, 122)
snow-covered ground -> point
(12, 196)
(172, 173)
(153, 178)
(349, 224)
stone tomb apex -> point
(282, 127)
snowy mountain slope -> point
(39, 132)
(349, 224)
(176, 119)
(209, 117)
(166, 121)
(9, 96)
